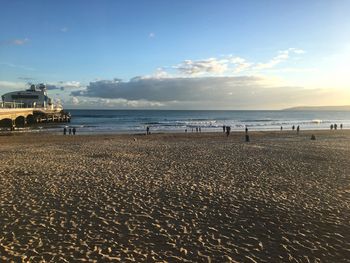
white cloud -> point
(63, 85)
(70, 84)
(240, 64)
(282, 56)
(160, 73)
(199, 67)
(151, 35)
(231, 65)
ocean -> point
(136, 121)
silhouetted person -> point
(341, 126)
(331, 126)
(298, 129)
(246, 130)
(147, 130)
(186, 130)
(64, 131)
(74, 131)
(224, 128)
(228, 129)
(281, 128)
(196, 129)
(293, 127)
(70, 131)
(335, 126)
(200, 129)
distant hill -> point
(320, 108)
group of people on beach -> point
(70, 130)
(293, 128)
(226, 129)
(197, 129)
(335, 126)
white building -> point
(34, 97)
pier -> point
(15, 115)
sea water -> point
(136, 121)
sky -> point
(184, 54)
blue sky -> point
(287, 45)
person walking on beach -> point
(331, 126)
(147, 130)
(298, 129)
(70, 131)
(335, 126)
(228, 129)
(246, 130)
(341, 126)
(293, 127)
(74, 131)
(281, 128)
(64, 131)
(224, 128)
(200, 129)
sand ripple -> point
(167, 198)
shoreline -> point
(116, 133)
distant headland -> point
(319, 108)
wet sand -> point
(175, 198)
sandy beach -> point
(175, 197)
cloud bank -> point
(201, 93)
(169, 89)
